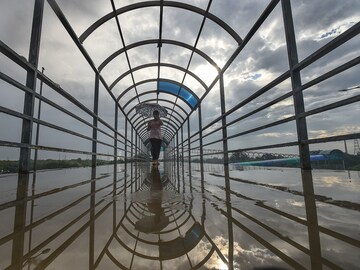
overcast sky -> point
(317, 22)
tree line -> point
(12, 166)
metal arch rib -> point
(140, 124)
(139, 118)
(181, 120)
(197, 78)
(145, 4)
(155, 80)
(152, 91)
(165, 100)
(141, 127)
(167, 134)
(154, 41)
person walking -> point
(154, 126)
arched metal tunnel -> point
(242, 82)
(176, 96)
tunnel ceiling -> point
(157, 52)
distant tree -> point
(239, 156)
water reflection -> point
(178, 217)
(153, 218)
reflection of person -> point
(157, 220)
(154, 126)
(154, 203)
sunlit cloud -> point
(337, 29)
(276, 134)
(341, 131)
(332, 31)
(243, 257)
(296, 203)
(284, 103)
(271, 40)
(252, 77)
(206, 72)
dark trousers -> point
(155, 148)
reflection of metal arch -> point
(177, 232)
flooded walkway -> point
(178, 217)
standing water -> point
(174, 216)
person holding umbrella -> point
(154, 126)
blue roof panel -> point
(174, 89)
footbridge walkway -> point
(243, 77)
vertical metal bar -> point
(93, 173)
(38, 127)
(132, 157)
(29, 100)
(19, 222)
(125, 155)
(189, 147)
(201, 148)
(177, 161)
(132, 144)
(116, 141)
(136, 162)
(26, 137)
(136, 147)
(182, 146)
(223, 121)
(92, 226)
(227, 174)
(126, 140)
(115, 165)
(182, 157)
(159, 48)
(95, 124)
(34, 166)
(307, 181)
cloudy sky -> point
(262, 60)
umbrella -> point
(147, 109)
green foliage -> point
(12, 166)
(355, 168)
(8, 166)
(352, 162)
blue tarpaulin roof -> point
(174, 89)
